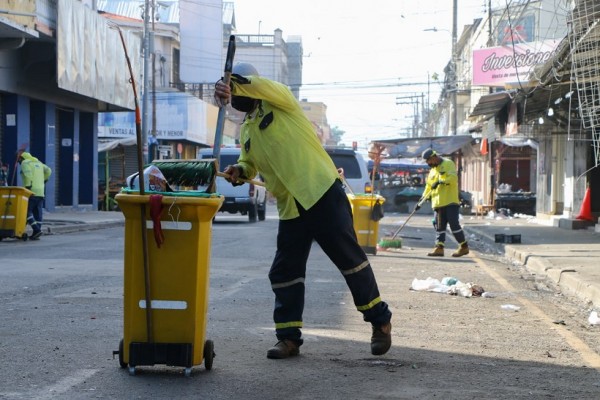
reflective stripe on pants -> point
(329, 223)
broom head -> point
(189, 172)
(389, 243)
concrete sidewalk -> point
(75, 221)
(570, 258)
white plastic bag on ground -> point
(428, 285)
(461, 289)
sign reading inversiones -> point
(498, 66)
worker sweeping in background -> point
(34, 175)
(442, 188)
(279, 142)
(3, 174)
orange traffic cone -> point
(586, 207)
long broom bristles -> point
(187, 172)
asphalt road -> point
(61, 310)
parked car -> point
(247, 199)
(354, 167)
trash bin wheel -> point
(122, 363)
(209, 354)
(24, 237)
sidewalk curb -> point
(78, 226)
(568, 279)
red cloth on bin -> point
(156, 207)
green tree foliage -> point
(337, 133)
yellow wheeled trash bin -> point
(178, 279)
(367, 210)
(14, 201)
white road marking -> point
(64, 385)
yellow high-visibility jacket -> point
(34, 174)
(279, 142)
(447, 190)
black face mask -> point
(243, 104)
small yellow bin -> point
(365, 225)
(14, 201)
(179, 282)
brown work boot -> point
(381, 340)
(463, 250)
(438, 251)
(284, 349)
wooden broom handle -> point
(252, 181)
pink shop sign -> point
(499, 66)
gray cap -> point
(427, 154)
(244, 69)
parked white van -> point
(247, 199)
(354, 167)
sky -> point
(361, 58)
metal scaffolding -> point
(585, 55)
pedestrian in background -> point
(442, 189)
(279, 142)
(34, 175)
(3, 174)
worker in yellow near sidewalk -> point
(442, 188)
(279, 142)
(34, 175)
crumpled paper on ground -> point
(447, 285)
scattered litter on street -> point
(510, 307)
(447, 285)
(593, 318)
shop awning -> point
(113, 144)
(401, 164)
(491, 104)
(414, 147)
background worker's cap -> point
(427, 154)
(244, 69)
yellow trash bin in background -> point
(178, 277)
(366, 224)
(14, 201)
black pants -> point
(329, 223)
(445, 216)
(35, 213)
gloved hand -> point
(435, 184)
(417, 207)
(222, 93)
(234, 172)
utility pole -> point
(454, 64)
(414, 101)
(145, 81)
(491, 199)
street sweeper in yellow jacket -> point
(280, 143)
(441, 187)
(34, 175)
